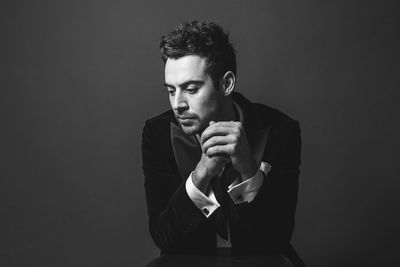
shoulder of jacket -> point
(163, 119)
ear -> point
(228, 83)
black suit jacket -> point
(178, 226)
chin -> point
(191, 130)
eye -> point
(192, 90)
(171, 92)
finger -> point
(227, 123)
(233, 124)
(221, 149)
(223, 158)
(217, 129)
(217, 140)
(213, 131)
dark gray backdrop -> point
(79, 78)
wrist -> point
(249, 172)
(200, 181)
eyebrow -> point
(186, 84)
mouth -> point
(185, 120)
(185, 117)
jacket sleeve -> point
(172, 214)
(269, 219)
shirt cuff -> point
(207, 204)
(247, 190)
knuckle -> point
(209, 142)
(214, 142)
(234, 139)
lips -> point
(185, 117)
(184, 120)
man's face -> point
(193, 97)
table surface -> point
(266, 260)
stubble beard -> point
(193, 129)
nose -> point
(178, 102)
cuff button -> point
(206, 212)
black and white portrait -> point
(141, 132)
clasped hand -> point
(224, 142)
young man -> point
(220, 171)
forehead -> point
(186, 68)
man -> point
(220, 171)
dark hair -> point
(205, 39)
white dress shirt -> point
(239, 191)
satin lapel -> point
(257, 141)
(186, 149)
(257, 130)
